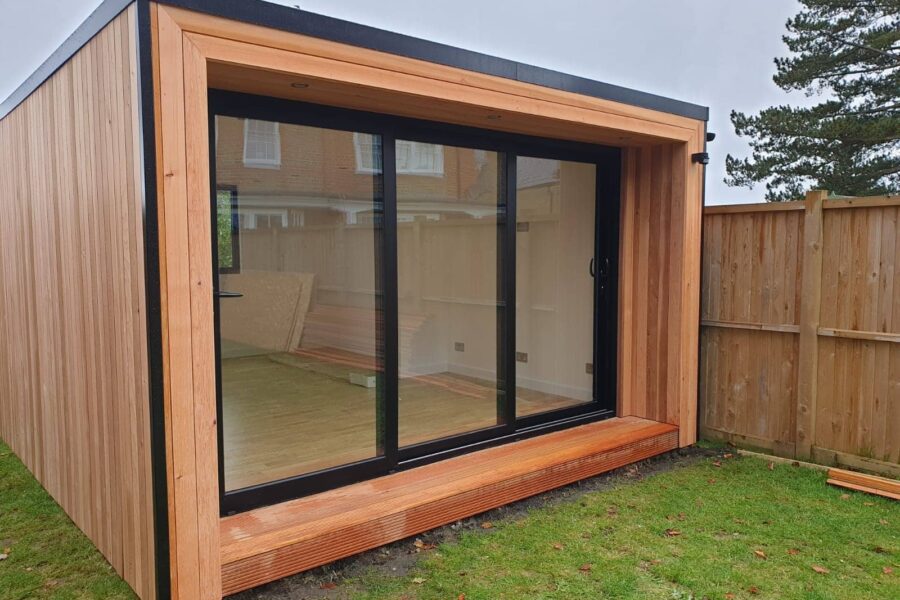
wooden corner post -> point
(810, 310)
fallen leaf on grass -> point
(771, 466)
(710, 481)
(882, 521)
(729, 596)
(760, 554)
(793, 551)
(487, 525)
(672, 533)
(845, 496)
(418, 580)
(4, 556)
(461, 597)
(868, 504)
(422, 546)
(328, 585)
(819, 569)
(887, 570)
(753, 589)
(557, 546)
(717, 463)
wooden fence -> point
(800, 343)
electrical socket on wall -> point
(522, 357)
(459, 346)
(589, 368)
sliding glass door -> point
(391, 292)
(448, 248)
(298, 238)
(555, 243)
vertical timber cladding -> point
(73, 368)
(660, 284)
(662, 193)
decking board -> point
(276, 541)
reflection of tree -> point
(224, 228)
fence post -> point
(810, 305)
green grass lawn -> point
(739, 530)
(717, 529)
(46, 555)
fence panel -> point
(833, 392)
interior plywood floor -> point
(287, 414)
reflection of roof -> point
(532, 172)
(429, 208)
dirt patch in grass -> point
(344, 579)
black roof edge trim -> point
(285, 18)
(275, 16)
(96, 21)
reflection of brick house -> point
(289, 175)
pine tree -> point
(848, 51)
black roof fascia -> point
(275, 16)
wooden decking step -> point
(269, 543)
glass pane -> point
(447, 238)
(300, 353)
(554, 289)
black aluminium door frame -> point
(509, 147)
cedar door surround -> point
(659, 229)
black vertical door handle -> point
(591, 268)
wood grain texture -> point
(659, 285)
(258, 59)
(194, 51)
(73, 355)
(276, 541)
(753, 286)
(187, 316)
(862, 480)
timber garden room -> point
(280, 288)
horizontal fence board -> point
(751, 297)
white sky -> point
(716, 53)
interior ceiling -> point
(240, 78)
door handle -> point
(224, 294)
(591, 268)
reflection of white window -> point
(413, 158)
(418, 158)
(368, 152)
(262, 144)
(262, 219)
